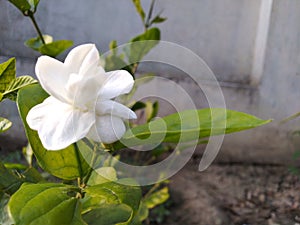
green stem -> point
(87, 177)
(147, 24)
(77, 155)
(31, 16)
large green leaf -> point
(5, 124)
(141, 214)
(15, 85)
(142, 44)
(189, 125)
(64, 163)
(53, 49)
(139, 9)
(7, 73)
(48, 204)
(108, 214)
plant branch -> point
(31, 16)
(147, 24)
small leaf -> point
(139, 9)
(188, 126)
(55, 48)
(142, 44)
(22, 5)
(36, 43)
(15, 85)
(5, 124)
(7, 73)
(108, 214)
(63, 163)
(157, 198)
(158, 19)
(46, 203)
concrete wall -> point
(234, 37)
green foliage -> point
(64, 163)
(139, 9)
(50, 47)
(26, 6)
(5, 124)
(151, 110)
(10, 182)
(157, 198)
(7, 73)
(55, 48)
(45, 203)
(108, 214)
(36, 43)
(188, 126)
(9, 84)
(22, 5)
(142, 44)
(102, 175)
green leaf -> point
(22, 5)
(5, 124)
(4, 215)
(16, 84)
(141, 215)
(139, 9)
(113, 192)
(102, 175)
(142, 44)
(53, 49)
(158, 19)
(36, 43)
(9, 183)
(157, 198)
(188, 126)
(7, 73)
(108, 214)
(63, 163)
(46, 203)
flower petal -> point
(58, 124)
(53, 76)
(118, 82)
(114, 108)
(107, 129)
(82, 58)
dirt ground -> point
(235, 194)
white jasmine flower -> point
(81, 100)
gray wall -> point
(252, 46)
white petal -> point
(53, 76)
(117, 83)
(82, 90)
(115, 109)
(58, 124)
(82, 58)
(107, 129)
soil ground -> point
(235, 194)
